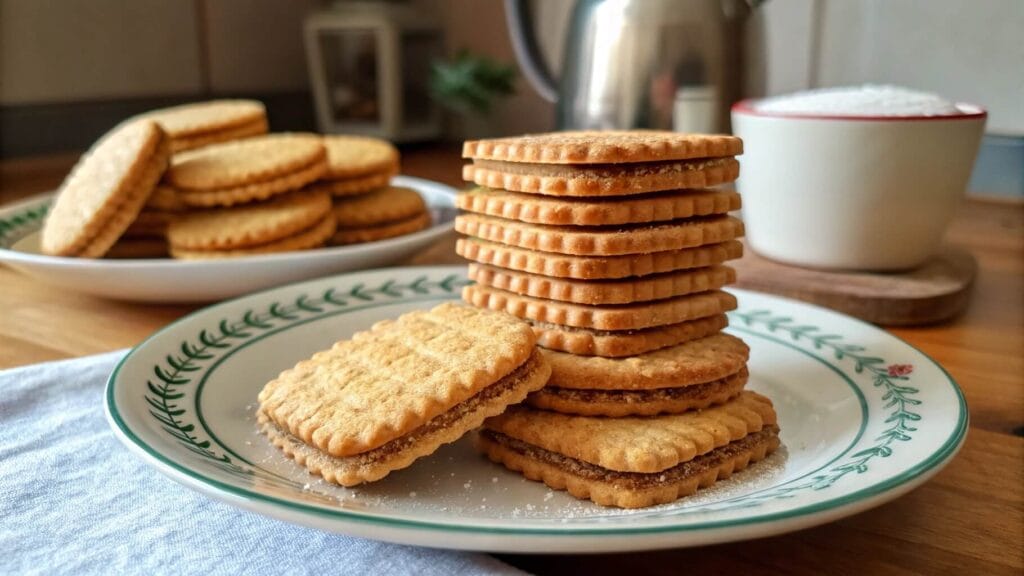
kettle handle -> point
(524, 43)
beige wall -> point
(479, 26)
(963, 50)
(80, 50)
(256, 45)
(73, 50)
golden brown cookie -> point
(354, 186)
(602, 180)
(378, 207)
(361, 234)
(241, 163)
(206, 118)
(253, 192)
(602, 241)
(614, 317)
(603, 147)
(354, 156)
(694, 362)
(619, 343)
(132, 248)
(313, 237)
(106, 190)
(251, 224)
(376, 402)
(664, 458)
(597, 292)
(596, 268)
(556, 211)
(621, 403)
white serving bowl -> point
(853, 192)
(166, 280)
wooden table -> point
(968, 520)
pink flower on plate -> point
(900, 369)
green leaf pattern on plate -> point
(14, 227)
(164, 392)
(888, 378)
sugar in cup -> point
(863, 178)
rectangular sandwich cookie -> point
(377, 402)
(666, 457)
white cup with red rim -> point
(853, 192)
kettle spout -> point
(524, 42)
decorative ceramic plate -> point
(864, 416)
(167, 280)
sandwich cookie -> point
(610, 317)
(375, 403)
(602, 240)
(203, 123)
(247, 170)
(602, 179)
(598, 292)
(384, 213)
(619, 343)
(106, 190)
(595, 267)
(357, 165)
(294, 221)
(633, 462)
(674, 379)
(659, 207)
(611, 163)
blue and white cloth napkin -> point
(73, 500)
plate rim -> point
(18, 257)
(868, 496)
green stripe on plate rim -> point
(15, 226)
(394, 290)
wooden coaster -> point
(933, 292)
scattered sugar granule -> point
(494, 479)
(412, 494)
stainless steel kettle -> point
(665, 64)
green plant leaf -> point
(470, 84)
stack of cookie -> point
(612, 246)
(293, 221)
(106, 191)
(250, 197)
(366, 207)
(186, 127)
(357, 165)
(146, 237)
(227, 188)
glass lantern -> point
(369, 65)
